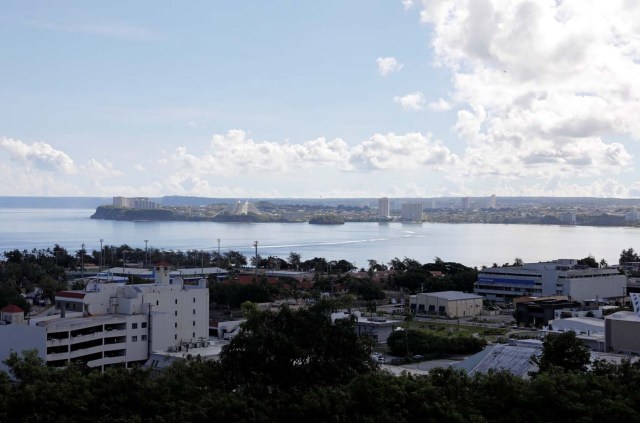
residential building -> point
(558, 277)
(452, 304)
(412, 212)
(492, 202)
(135, 203)
(110, 324)
(384, 210)
(378, 328)
(12, 315)
(466, 203)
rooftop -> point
(453, 295)
(12, 308)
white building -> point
(568, 218)
(465, 203)
(383, 207)
(412, 212)
(558, 277)
(116, 324)
(491, 204)
(446, 303)
(135, 203)
(632, 216)
(241, 208)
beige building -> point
(12, 314)
(446, 303)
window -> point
(194, 300)
(194, 323)
(134, 326)
(134, 338)
(194, 311)
(175, 336)
(143, 325)
(176, 300)
(194, 334)
(175, 325)
(157, 302)
(175, 313)
(143, 338)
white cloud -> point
(441, 105)
(235, 153)
(39, 155)
(408, 4)
(414, 101)
(97, 169)
(410, 151)
(387, 65)
(542, 87)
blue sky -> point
(308, 99)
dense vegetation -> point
(297, 366)
(412, 342)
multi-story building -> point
(492, 202)
(558, 277)
(383, 207)
(465, 203)
(135, 203)
(412, 212)
(116, 324)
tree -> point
(564, 351)
(518, 261)
(589, 261)
(628, 256)
(294, 260)
(235, 258)
(290, 350)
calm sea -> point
(470, 244)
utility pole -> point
(255, 244)
(82, 263)
(146, 254)
(100, 261)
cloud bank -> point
(540, 86)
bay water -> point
(470, 244)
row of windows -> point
(175, 301)
(143, 325)
(134, 338)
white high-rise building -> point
(412, 212)
(466, 203)
(384, 210)
(492, 202)
(116, 324)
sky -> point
(339, 98)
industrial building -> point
(559, 277)
(111, 323)
(451, 304)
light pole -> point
(255, 244)
(218, 248)
(146, 254)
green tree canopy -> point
(564, 351)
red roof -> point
(12, 308)
(70, 294)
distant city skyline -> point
(400, 99)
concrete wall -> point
(581, 289)
(622, 335)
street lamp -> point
(218, 248)
(255, 244)
(146, 254)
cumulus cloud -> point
(414, 101)
(541, 87)
(387, 65)
(236, 153)
(39, 155)
(102, 168)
